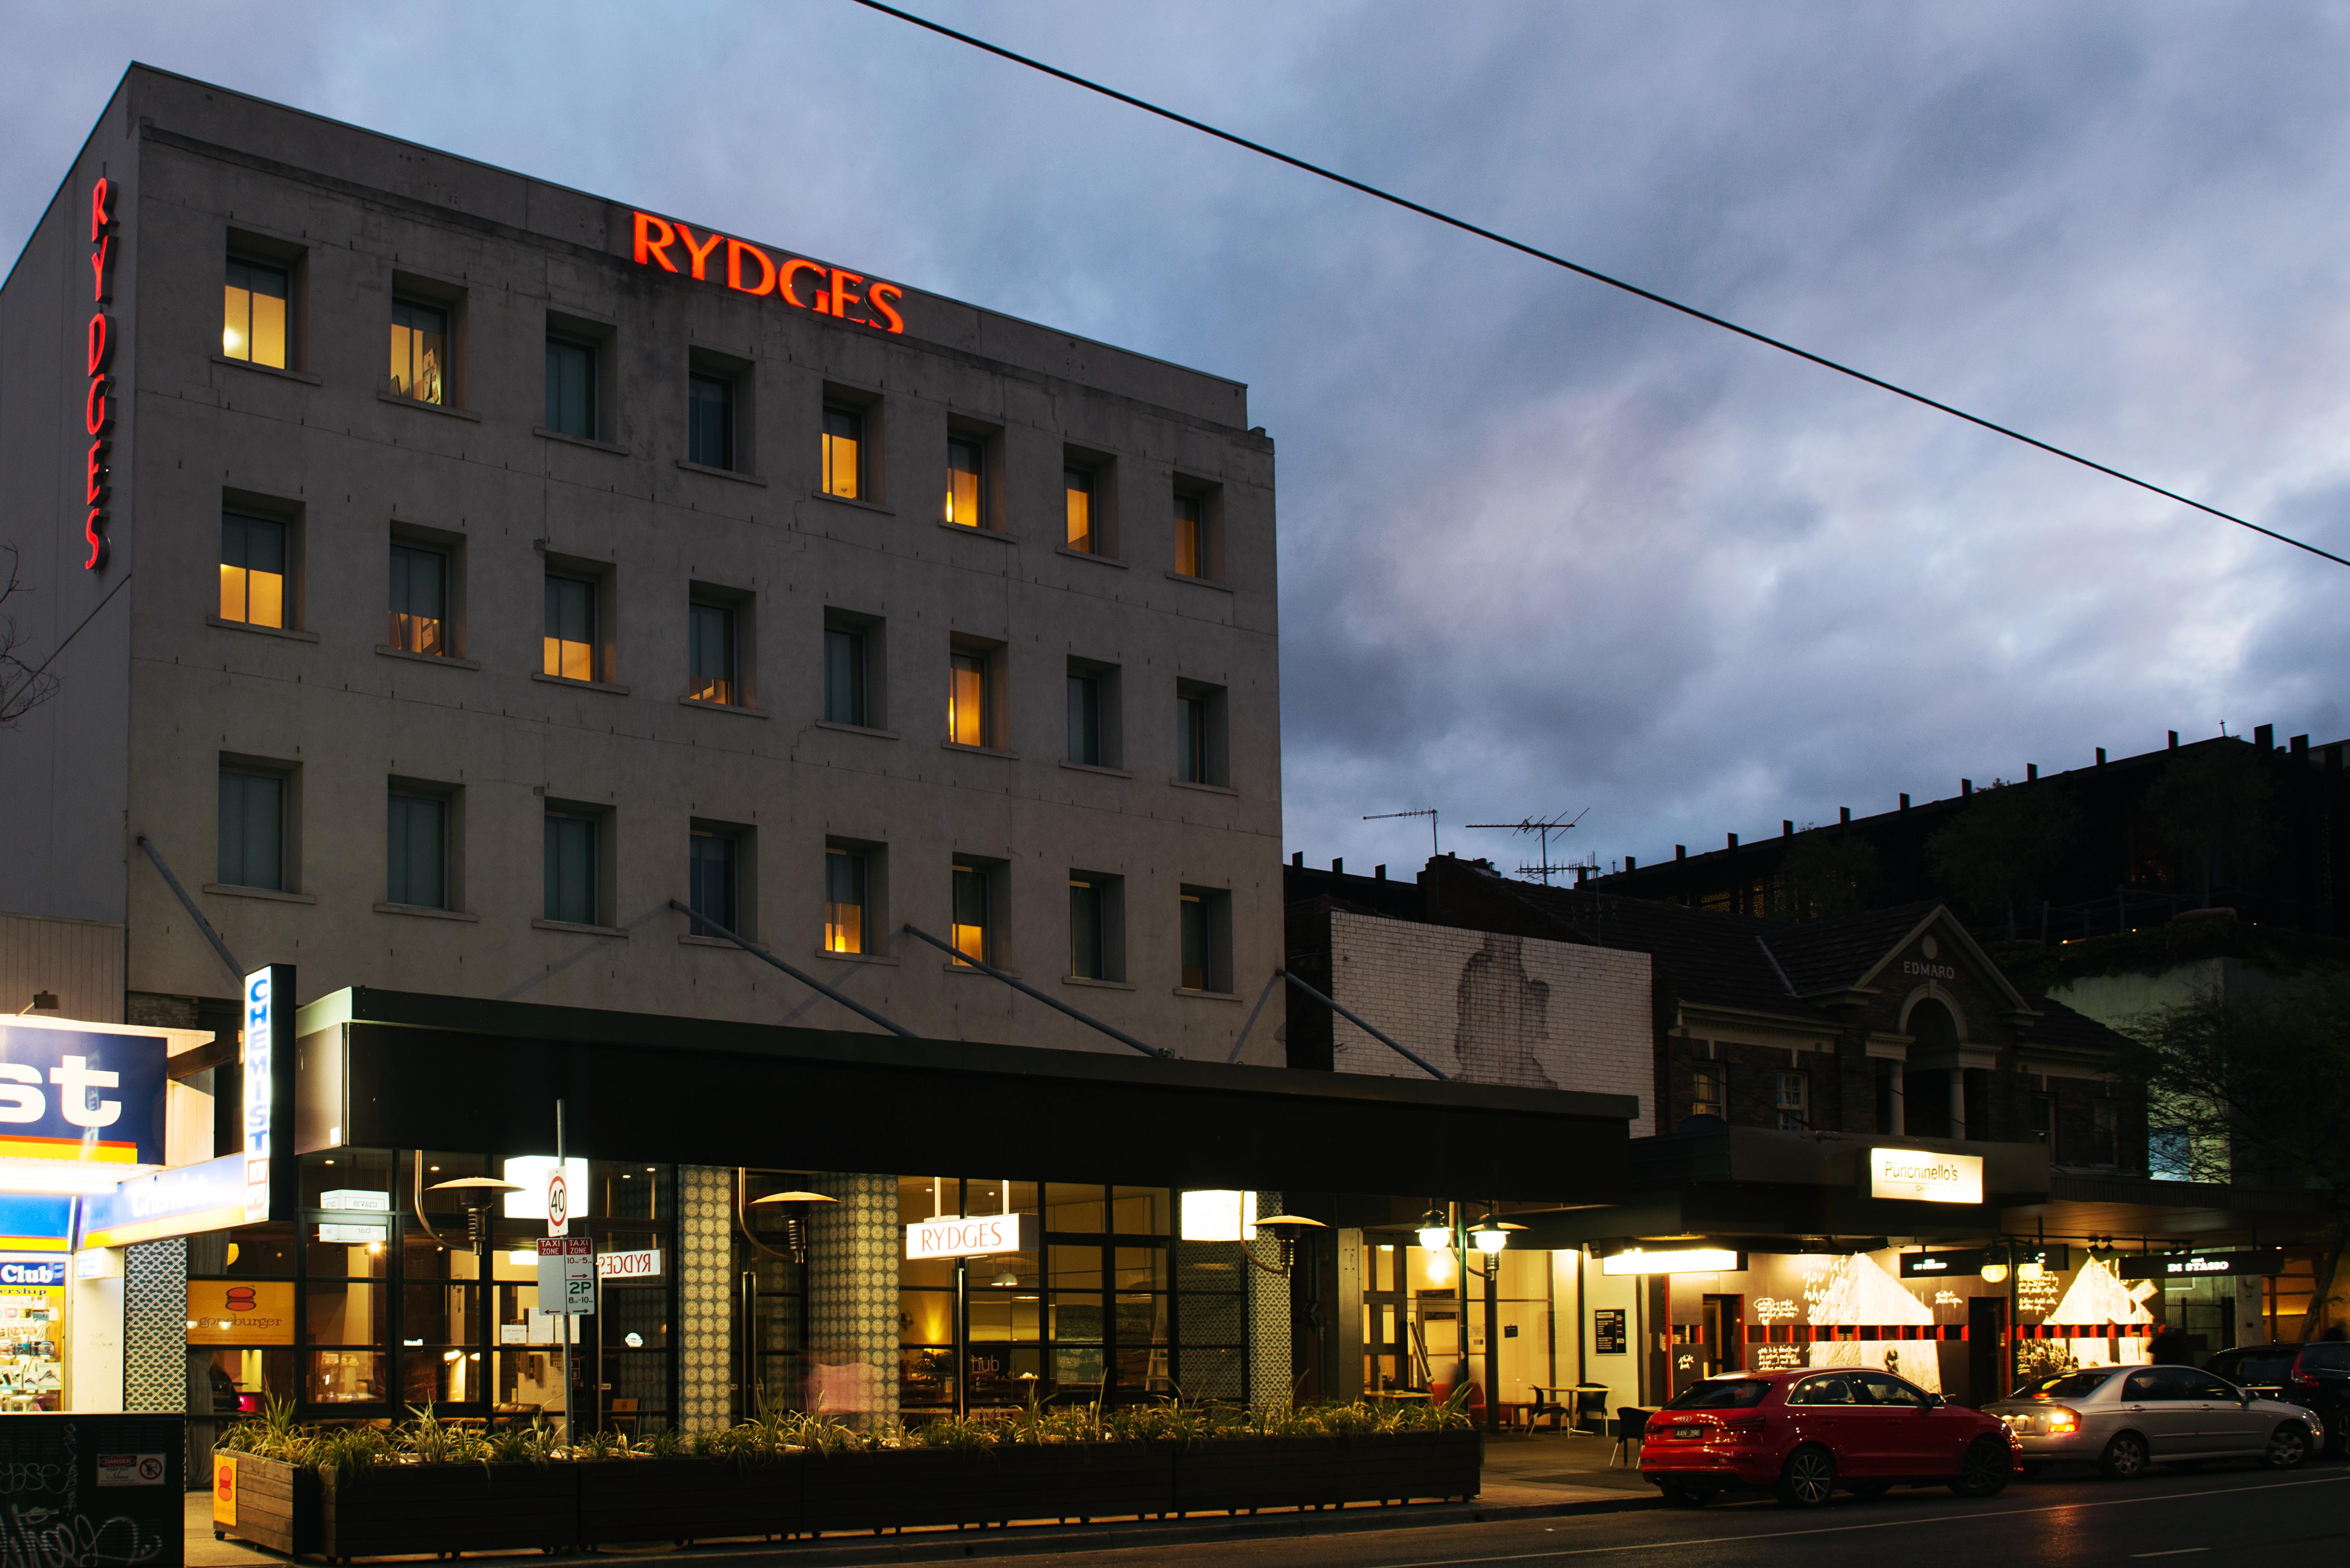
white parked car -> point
(2123, 1418)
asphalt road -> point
(2298, 1520)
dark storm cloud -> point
(1544, 546)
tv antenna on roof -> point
(1542, 828)
(1428, 812)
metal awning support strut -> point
(1367, 1029)
(809, 980)
(1023, 987)
(211, 936)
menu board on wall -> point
(1607, 1331)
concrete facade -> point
(157, 691)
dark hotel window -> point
(712, 634)
(420, 600)
(709, 891)
(570, 388)
(419, 351)
(416, 853)
(253, 314)
(1195, 942)
(710, 421)
(1084, 719)
(1192, 738)
(252, 830)
(571, 892)
(1207, 940)
(252, 570)
(1085, 929)
(843, 677)
(843, 453)
(569, 644)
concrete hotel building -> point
(445, 571)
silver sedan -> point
(2123, 1418)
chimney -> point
(1733, 841)
(2299, 745)
(1905, 803)
(2031, 772)
(2100, 756)
(1339, 867)
(1844, 814)
(1966, 788)
(2174, 740)
(1379, 873)
(2264, 737)
(1298, 860)
(1630, 864)
(1786, 827)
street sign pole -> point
(568, 1386)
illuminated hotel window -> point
(1078, 484)
(711, 881)
(711, 634)
(962, 484)
(968, 933)
(1190, 536)
(569, 646)
(572, 895)
(1086, 929)
(419, 351)
(571, 387)
(843, 677)
(967, 700)
(844, 900)
(420, 600)
(416, 851)
(843, 453)
(710, 421)
(252, 570)
(253, 314)
(252, 830)
(1793, 1101)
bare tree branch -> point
(23, 686)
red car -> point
(1806, 1433)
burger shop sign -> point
(738, 264)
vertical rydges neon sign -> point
(752, 271)
(97, 404)
(260, 1038)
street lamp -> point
(1435, 1231)
(796, 1206)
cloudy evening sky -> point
(1546, 548)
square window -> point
(252, 830)
(568, 647)
(416, 851)
(710, 421)
(420, 600)
(963, 489)
(252, 570)
(1078, 491)
(255, 302)
(844, 451)
(967, 698)
(571, 387)
(573, 895)
(843, 677)
(712, 654)
(419, 351)
(711, 877)
(845, 888)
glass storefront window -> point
(339, 1314)
(243, 1381)
(346, 1377)
(442, 1375)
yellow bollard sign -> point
(223, 1488)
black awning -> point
(400, 1070)
(1760, 1217)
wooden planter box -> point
(276, 1504)
(687, 1499)
(1296, 1472)
(386, 1511)
(907, 1487)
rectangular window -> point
(569, 648)
(969, 934)
(416, 851)
(253, 314)
(1190, 536)
(2169, 1155)
(1077, 486)
(1086, 929)
(571, 387)
(1706, 1097)
(843, 677)
(419, 351)
(711, 635)
(1192, 738)
(252, 570)
(967, 700)
(1792, 1101)
(843, 453)
(2104, 1129)
(1197, 941)
(420, 600)
(252, 830)
(2043, 1122)
(711, 881)
(1888, 1095)
(963, 458)
(571, 869)
(710, 421)
(844, 900)
(1084, 719)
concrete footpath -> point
(1527, 1476)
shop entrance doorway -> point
(1987, 1366)
(1723, 1325)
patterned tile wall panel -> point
(155, 1326)
(705, 1399)
(1212, 1320)
(853, 1298)
(1268, 1309)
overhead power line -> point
(1595, 276)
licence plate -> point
(1688, 1431)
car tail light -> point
(2063, 1418)
(2297, 1379)
(1743, 1427)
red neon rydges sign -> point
(745, 268)
(97, 404)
